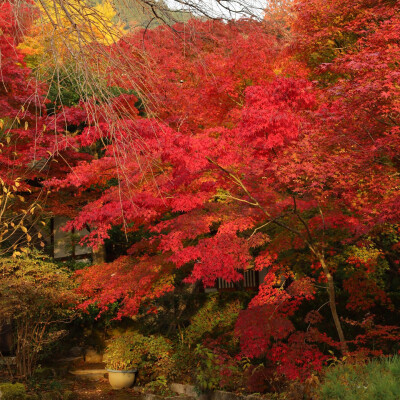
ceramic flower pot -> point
(121, 379)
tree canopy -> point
(227, 147)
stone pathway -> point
(89, 374)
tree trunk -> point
(332, 304)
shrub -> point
(206, 354)
(68, 395)
(43, 373)
(377, 379)
(213, 319)
(132, 350)
(208, 371)
(160, 386)
(184, 364)
(125, 352)
(50, 396)
(33, 396)
(9, 391)
(37, 296)
(210, 335)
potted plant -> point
(122, 357)
(131, 351)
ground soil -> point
(100, 390)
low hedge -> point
(9, 391)
(377, 379)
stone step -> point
(89, 374)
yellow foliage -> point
(66, 28)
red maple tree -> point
(251, 165)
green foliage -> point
(9, 391)
(44, 384)
(207, 373)
(33, 286)
(157, 360)
(49, 396)
(38, 296)
(119, 241)
(32, 396)
(378, 379)
(132, 350)
(125, 352)
(183, 364)
(72, 86)
(213, 318)
(160, 386)
(214, 366)
(68, 395)
(42, 373)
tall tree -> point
(258, 161)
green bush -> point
(43, 373)
(36, 295)
(193, 361)
(33, 396)
(184, 364)
(124, 352)
(207, 373)
(213, 319)
(50, 396)
(57, 395)
(378, 379)
(67, 395)
(9, 391)
(159, 386)
(132, 350)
